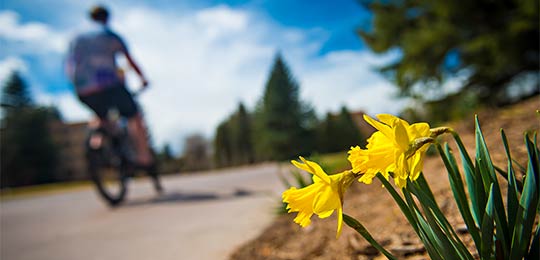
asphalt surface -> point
(202, 216)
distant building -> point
(69, 138)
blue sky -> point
(203, 57)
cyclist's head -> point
(99, 14)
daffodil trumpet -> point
(322, 198)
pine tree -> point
(327, 132)
(283, 129)
(241, 137)
(349, 133)
(28, 154)
(494, 43)
(222, 145)
(15, 93)
(233, 143)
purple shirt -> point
(91, 62)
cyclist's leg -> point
(129, 109)
(97, 102)
(140, 135)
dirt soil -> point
(375, 209)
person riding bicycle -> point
(100, 84)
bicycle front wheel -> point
(109, 174)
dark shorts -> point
(115, 97)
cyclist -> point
(100, 84)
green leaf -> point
(512, 192)
(534, 159)
(528, 205)
(437, 220)
(422, 183)
(486, 250)
(474, 186)
(487, 171)
(429, 238)
(432, 245)
(353, 223)
(456, 183)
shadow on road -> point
(184, 197)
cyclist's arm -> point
(136, 68)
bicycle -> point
(111, 157)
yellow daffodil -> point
(396, 147)
(322, 197)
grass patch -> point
(333, 162)
(36, 190)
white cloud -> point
(197, 76)
(30, 37)
(221, 20)
(201, 64)
(348, 78)
(9, 65)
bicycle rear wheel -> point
(109, 173)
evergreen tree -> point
(222, 145)
(241, 137)
(233, 144)
(337, 133)
(349, 133)
(15, 93)
(326, 134)
(494, 42)
(28, 154)
(283, 123)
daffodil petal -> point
(401, 136)
(325, 214)
(387, 119)
(316, 170)
(303, 218)
(417, 162)
(419, 130)
(384, 129)
(301, 166)
(326, 199)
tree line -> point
(28, 154)
(493, 45)
(281, 126)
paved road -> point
(199, 217)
